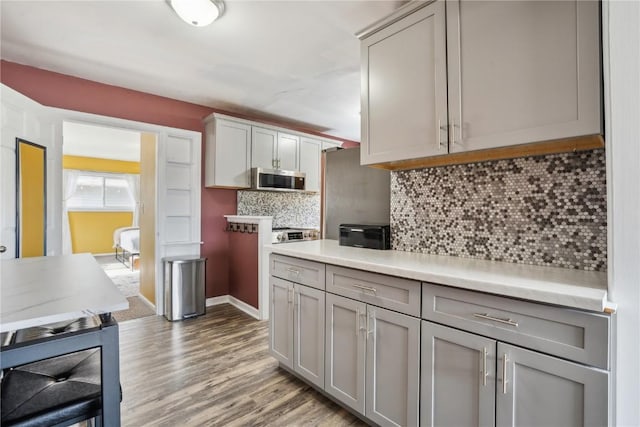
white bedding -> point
(127, 238)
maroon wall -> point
(243, 267)
(72, 93)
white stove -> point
(288, 234)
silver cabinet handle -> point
(371, 317)
(484, 366)
(365, 288)
(441, 128)
(453, 134)
(294, 271)
(290, 295)
(496, 319)
(505, 359)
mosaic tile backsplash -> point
(287, 209)
(548, 210)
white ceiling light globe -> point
(198, 13)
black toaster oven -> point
(372, 236)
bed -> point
(126, 242)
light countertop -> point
(41, 290)
(571, 288)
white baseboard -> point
(149, 303)
(240, 305)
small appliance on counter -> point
(371, 236)
(287, 234)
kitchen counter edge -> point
(586, 290)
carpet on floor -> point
(137, 309)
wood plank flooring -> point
(213, 371)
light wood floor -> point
(215, 371)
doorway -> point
(109, 187)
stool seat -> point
(53, 391)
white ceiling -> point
(289, 60)
(84, 140)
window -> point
(101, 191)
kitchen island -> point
(393, 335)
(41, 290)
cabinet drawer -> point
(571, 334)
(396, 294)
(297, 270)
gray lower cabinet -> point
(542, 390)
(462, 382)
(345, 350)
(296, 329)
(372, 360)
(457, 378)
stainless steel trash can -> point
(183, 287)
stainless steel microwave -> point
(277, 180)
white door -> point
(24, 118)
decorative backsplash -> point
(289, 209)
(548, 210)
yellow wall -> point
(32, 200)
(99, 165)
(93, 231)
(147, 216)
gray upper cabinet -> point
(457, 378)
(227, 153)
(541, 390)
(287, 152)
(310, 150)
(522, 71)
(263, 148)
(500, 74)
(404, 89)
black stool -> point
(60, 391)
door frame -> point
(161, 132)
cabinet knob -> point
(3, 249)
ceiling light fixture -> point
(198, 13)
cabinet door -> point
(228, 154)
(308, 330)
(345, 350)
(263, 148)
(310, 162)
(404, 88)
(281, 323)
(287, 152)
(542, 390)
(457, 378)
(522, 71)
(393, 363)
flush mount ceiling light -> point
(198, 13)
